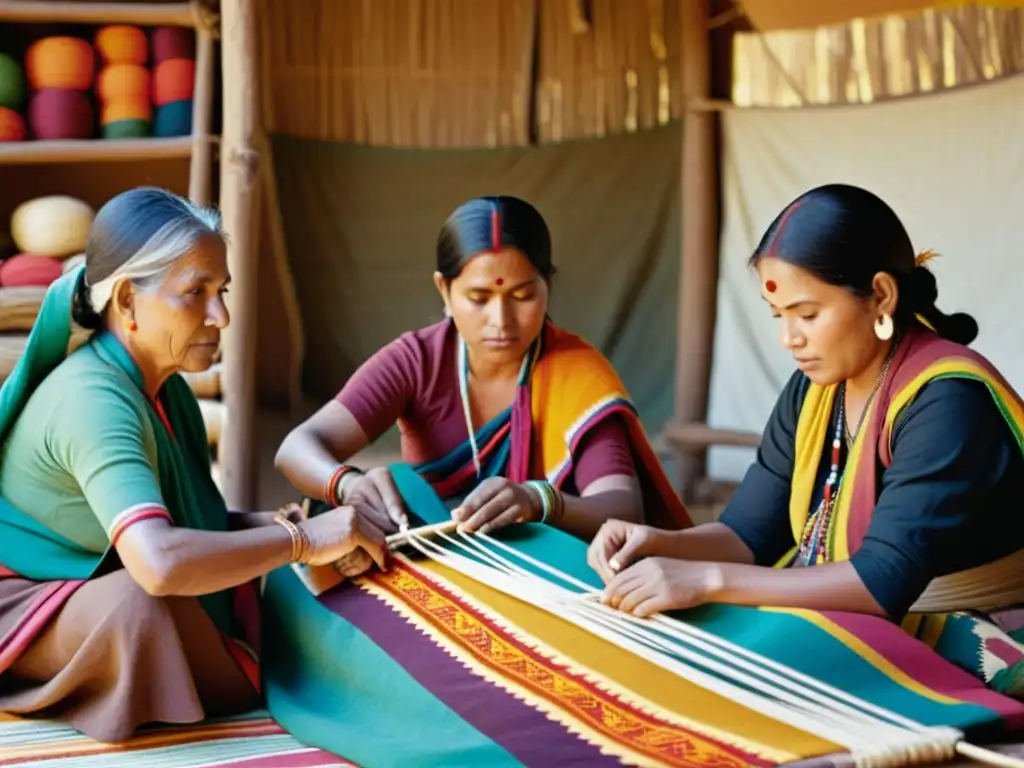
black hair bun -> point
(81, 308)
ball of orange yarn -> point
(12, 125)
(120, 44)
(173, 80)
(29, 269)
(65, 63)
(123, 81)
(125, 109)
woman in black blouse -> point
(937, 475)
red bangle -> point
(331, 494)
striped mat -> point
(249, 741)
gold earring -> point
(884, 327)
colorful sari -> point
(424, 666)
(565, 389)
(968, 618)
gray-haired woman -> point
(120, 568)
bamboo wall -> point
(459, 73)
(874, 60)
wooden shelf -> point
(142, 14)
(93, 150)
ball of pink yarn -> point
(29, 269)
(59, 114)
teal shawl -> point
(36, 552)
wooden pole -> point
(699, 272)
(200, 184)
(240, 174)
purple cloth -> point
(413, 381)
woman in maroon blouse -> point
(508, 416)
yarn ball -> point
(12, 125)
(173, 43)
(125, 109)
(173, 80)
(121, 44)
(57, 114)
(12, 83)
(55, 225)
(173, 119)
(60, 62)
(123, 81)
(30, 269)
(131, 128)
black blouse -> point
(953, 497)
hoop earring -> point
(884, 327)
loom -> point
(697, 650)
(875, 737)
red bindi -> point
(770, 286)
(500, 281)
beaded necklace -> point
(814, 541)
(462, 364)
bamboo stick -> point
(699, 271)
(240, 188)
(200, 184)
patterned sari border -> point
(644, 729)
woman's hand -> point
(619, 544)
(662, 584)
(339, 534)
(495, 503)
(375, 496)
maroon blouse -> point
(414, 381)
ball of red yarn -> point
(173, 43)
(29, 269)
(12, 125)
(56, 114)
(173, 80)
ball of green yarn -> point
(127, 129)
(12, 83)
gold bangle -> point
(300, 543)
